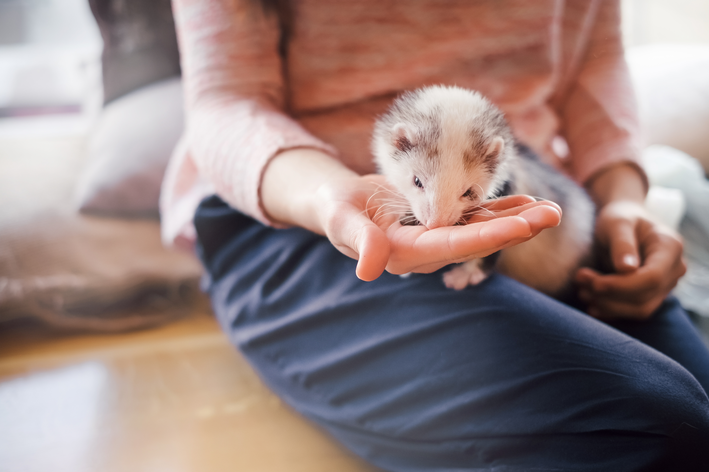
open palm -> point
(358, 219)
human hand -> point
(646, 257)
(355, 215)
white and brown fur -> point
(446, 149)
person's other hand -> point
(646, 258)
(358, 217)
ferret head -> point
(445, 149)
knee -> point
(675, 408)
(666, 403)
(667, 397)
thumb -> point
(351, 231)
(373, 250)
(623, 244)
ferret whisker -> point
(396, 203)
(381, 189)
(478, 210)
(482, 209)
(366, 205)
(386, 210)
(387, 203)
(381, 215)
(376, 193)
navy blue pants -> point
(416, 377)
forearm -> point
(234, 90)
(290, 184)
(599, 116)
(623, 181)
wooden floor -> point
(176, 398)
(171, 399)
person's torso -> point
(346, 61)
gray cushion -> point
(139, 44)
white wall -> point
(665, 21)
(53, 56)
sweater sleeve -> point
(599, 112)
(235, 96)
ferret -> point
(446, 150)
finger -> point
(500, 236)
(538, 224)
(373, 249)
(585, 276)
(662, 268)
(542, 217)
(514, 242)
(630, 288)
(635, 287)
(623, 246)
(356, 236)
(435, 248)
(539, 220)
(414, 247)
(510, 201)
(428, 268)
(487, 213)
(605, 309)
(484, 238)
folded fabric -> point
(76, 271)
(670, 168)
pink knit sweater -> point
(555, 67)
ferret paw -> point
(463, 275)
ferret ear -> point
(495, 149)
(402, 137)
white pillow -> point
(672, 86)
(129, 149)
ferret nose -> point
(434, 223)
(439, 215)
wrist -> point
(621, 182)
(290, 186)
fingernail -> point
(630, 260)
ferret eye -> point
(417, 182)
(470, 193)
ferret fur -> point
(446, 149)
